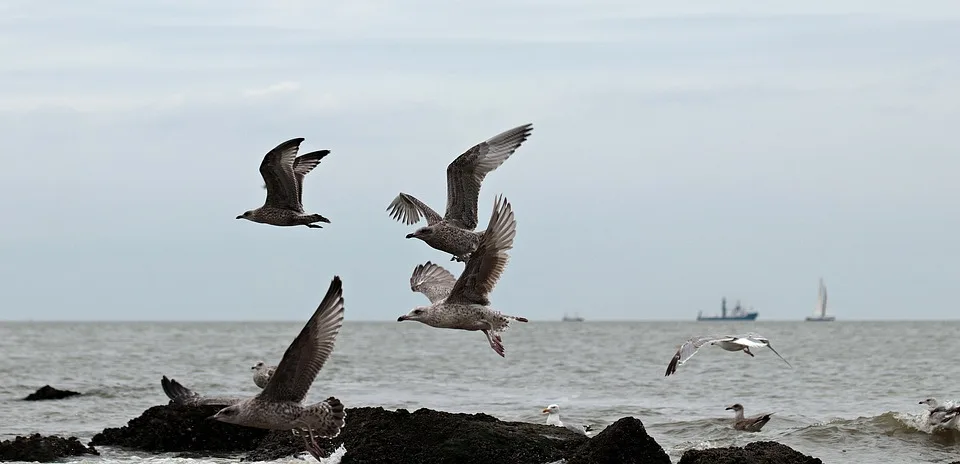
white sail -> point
(820, 310)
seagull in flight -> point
(454, 231)
(729, 343)
(283, 172)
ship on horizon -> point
(575, 318)
(737, 314)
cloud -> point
(278, 88)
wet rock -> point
(761, 452)
(176, 428)
(47, 392)
(624, 442)
(371, 435)
(37, 448)
(375, 435)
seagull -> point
(280, 405)
(748, 424)
(179, 394)
(941, 416)
(454, 232)
(283, 172)
(464, 303)
(262, 373)
(553, 418)
(729, 343)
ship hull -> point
(821, 319)
(745, 317)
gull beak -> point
(728, 408)
(401, 318)
(546, 411)
(920, 402)
(239, 217)
(213, 417)
(410, 235)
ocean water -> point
(851, 396)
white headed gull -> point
(553, 418)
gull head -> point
(248, 215)
(416, 314)
(422, 233)
(229, 415)
(552, 409)
(257, 366)
(932, 402)
(736, 407)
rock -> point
(624, 442)
(371, 435)
(47, 392)
(37, 448)
(761, 452)
(375, 435)
(176, 428)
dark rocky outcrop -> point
(47, 392)
(376, 435)
(761, 452)
(176, 428)
(624, 442)
(37, 448)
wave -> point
(907, 426)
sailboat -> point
(820, 310)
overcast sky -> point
(680, 153)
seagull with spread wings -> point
(729, 343)
(283, 172)
(464, 303)
(280, 405)
(454, 232)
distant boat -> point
(820, 310)
(738, 313)
(575, 318)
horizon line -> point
(209, 321)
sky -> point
(681, 152)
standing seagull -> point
(262, 374)
(463, 303)
(283, 171)
(729, 343)
(453, 233)
(748, 424)
(553, 418)
(280, 405)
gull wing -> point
(432, 280)
(302, 166)
(690, 348)
(758, 341)
(309, 351)
(277, 172)
(408, 209)
(466, 173)
(487, 263)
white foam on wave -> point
(919, 422)
(128, 458)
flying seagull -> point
(464, 303)
(553, 418)
(283, 172)
(941, 416)
(280, 405)
(454, 232)
(748, 424)
(729, 343)
(262, 373)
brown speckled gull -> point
(279, 406)
(463, 303)
(283, 172)
(454, 232)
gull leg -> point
(313, 226)
(310, 449)
(313, 442)
(495, 342)
(747, 350)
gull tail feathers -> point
(176, 392)
(338, 415)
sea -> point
(851, 396)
